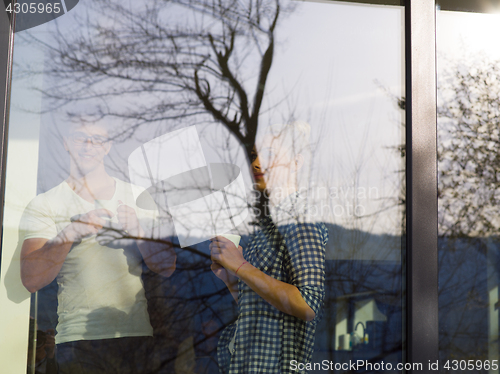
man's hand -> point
(87, 224)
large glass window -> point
(198, 186)
(468, 165)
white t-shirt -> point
(100, 293)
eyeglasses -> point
(96, 140)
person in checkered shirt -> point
(278, 279)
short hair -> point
(74, 122)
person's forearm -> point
(159, 256)
(40, 267)
(283, 296)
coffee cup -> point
(234, 238)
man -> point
(103, 322)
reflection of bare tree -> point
(469, 162)
(176, 60)
(468, 182)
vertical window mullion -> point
(6, 56)
(422, 256)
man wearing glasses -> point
(103, 321)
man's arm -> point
(42, 259)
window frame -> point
(420, 243)
(422, 328)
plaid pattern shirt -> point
(267, 339)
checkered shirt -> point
(266, 338)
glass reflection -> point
(467, 168)
(109, 84)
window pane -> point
(468, 73)
(149, 141)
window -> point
(140, 131)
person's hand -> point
(50, 343)
(224, 253)
(127, 217)
(87, 224)
(222, 274)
